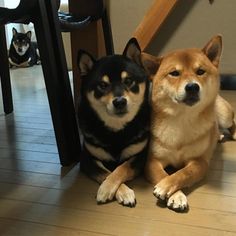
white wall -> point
(10, 3)
(125, 16)
(191, 24)
(19, 27)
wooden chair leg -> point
(4, 74)
(57, 81)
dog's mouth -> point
(117, 112)
(20, 51)
(188, 100)
(191, 100)
(120, 113)
(190, 96)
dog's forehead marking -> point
(178, 67)
(124, 74)
(179, 60)
(105, 78)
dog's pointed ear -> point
(28, 34)
(133, 51)
(14, 31)
(213, 50)
(150, 63)
(85, 62)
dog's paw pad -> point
(105, 193)
(178, 202)
(125, 196)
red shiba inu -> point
(186, 112)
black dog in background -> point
(23, 52)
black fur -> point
(102, 136)
(30, 57)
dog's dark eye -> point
(174, 73)
(103, 86)
(200, 72)
(128, 82)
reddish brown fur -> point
(183, 136)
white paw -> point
(106, 192)
(178, 201)
(125, 196)
(159, 192)
(165, 188)
(221, 138)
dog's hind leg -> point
(232, 130)
(225, 116)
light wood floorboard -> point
(39, 197)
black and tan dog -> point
(114, 119)
(23, 52)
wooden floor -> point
(39, 198)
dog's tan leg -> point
(154, 170)
(114, 185)
(155, 173)
(25, 64)
(170, 187)
(193, 172)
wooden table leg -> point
(90, 39)
(5, 74)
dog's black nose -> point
(119, 103)
(192, 88)
(20, 49)
(192, 94)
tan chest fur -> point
(179, 137)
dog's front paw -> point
(106, 192)
(178, 202)
(125, 196)
(165, 188)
